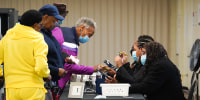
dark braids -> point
(144, 39)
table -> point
(86, 96)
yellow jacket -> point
(23, 51)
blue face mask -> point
(135, 58)
(60, 21)
(143, 59)
(84, 39)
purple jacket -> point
(68, 39)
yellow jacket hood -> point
(20, 31)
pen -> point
(105, 68)
(123, 53)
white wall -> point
(187, 31)
(120, 22)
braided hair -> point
(144, 39)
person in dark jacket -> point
(161, 80)
(55, 58)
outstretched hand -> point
(107, 69)
(96, 67)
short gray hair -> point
(88, 22)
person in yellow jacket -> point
(23, 52)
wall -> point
(187, 32)
(119, 23)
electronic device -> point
(110, 65)
(103, 73)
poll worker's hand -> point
(96, 67)
(124, 56)
(111, 71)
(62, 72)
(111, 80)
(107, 69)
(118, 61)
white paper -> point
(74, 59)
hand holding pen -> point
(123, 56)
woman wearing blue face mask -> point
(161, 79)
(156, 76)
(135, 69)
